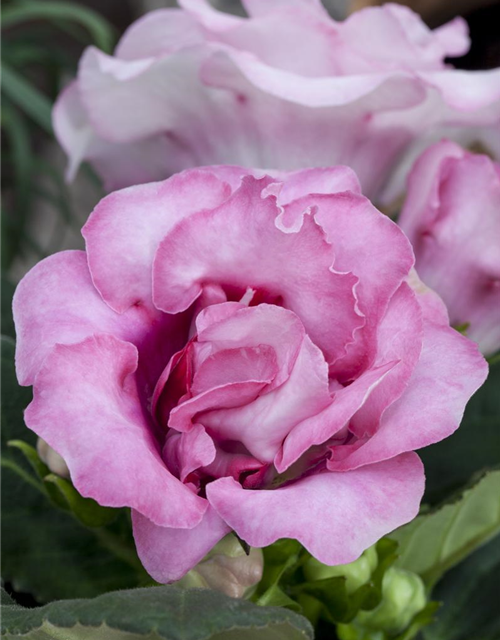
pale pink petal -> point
(56, 302)
(125, 229)
(87, 408)
(412, 44)
(326, 91)
(168, 554)
(449, 371)
(464, 90)
(210, 18)
(159, 32)
(119, 164)
(257, 254)
(263, 424)
(336, 516)
(272, 39)
(454, 37)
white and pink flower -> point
(282, 89)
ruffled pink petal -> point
(399, 338)
(464, 90)
(210, 18)
(328, 180)
(324, 425)
(157, 33)
(360, 235)
(263, 424)
(125, 229)
(87, 408)
(169, 553)
(413, 46)
(257, 254)
(326, 91)
(453, 37)
(272, 39)
(336, 516)
(118, 164)
(449, 371)
(56, 302)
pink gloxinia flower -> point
(242, 353)
(284, 89)
(452, 217)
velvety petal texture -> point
(334, 515)
(237, 351)
(452, 217)
(216, 88)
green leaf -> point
(31, 455)
(45, 551)
(100, 29)
(473, 447)
(27, 97)
(469, 593)
(280, 560)
(88, 511)
(436, 541)
(159, 613)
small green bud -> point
(403, 596)
(356, 573)
(227, 568)
(52, 459)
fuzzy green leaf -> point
(159, 612)
(436, 541)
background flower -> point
(242, 352)
(452, 217)
(286, 88)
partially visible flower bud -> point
(356, 573)
(52, 459)
(227, 568)
(403, 596)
